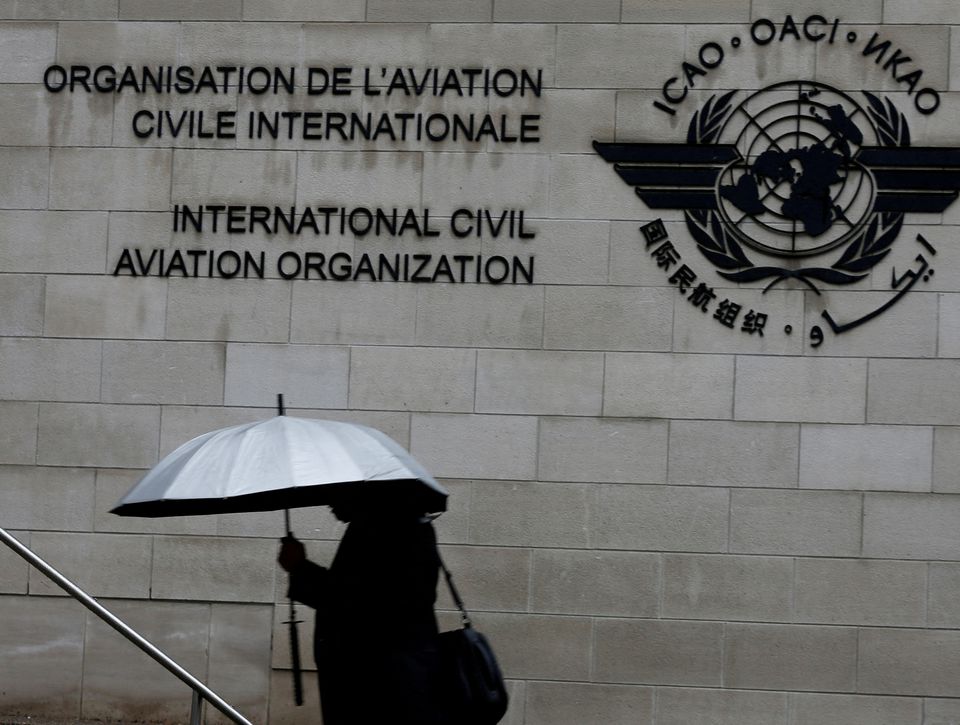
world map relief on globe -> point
(797, 175)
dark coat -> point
(376, 642)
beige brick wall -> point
(657, 521)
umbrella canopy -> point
(283, 462)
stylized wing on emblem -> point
(670, 175)
(913, 178)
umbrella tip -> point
(281, 410)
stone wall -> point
(658, 518)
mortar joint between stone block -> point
(723, 654)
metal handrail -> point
(200, 691)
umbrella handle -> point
(295, 657)
(294, 637)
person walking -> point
(376, 642)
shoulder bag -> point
(476, 694)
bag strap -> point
(464, 617)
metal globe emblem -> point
(798, 183)
(797, 189)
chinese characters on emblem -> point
(701, 296)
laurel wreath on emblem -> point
(867, 247)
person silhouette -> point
(376, 641)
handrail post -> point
(196, 708)
(200, 691)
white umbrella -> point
(283, 462)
